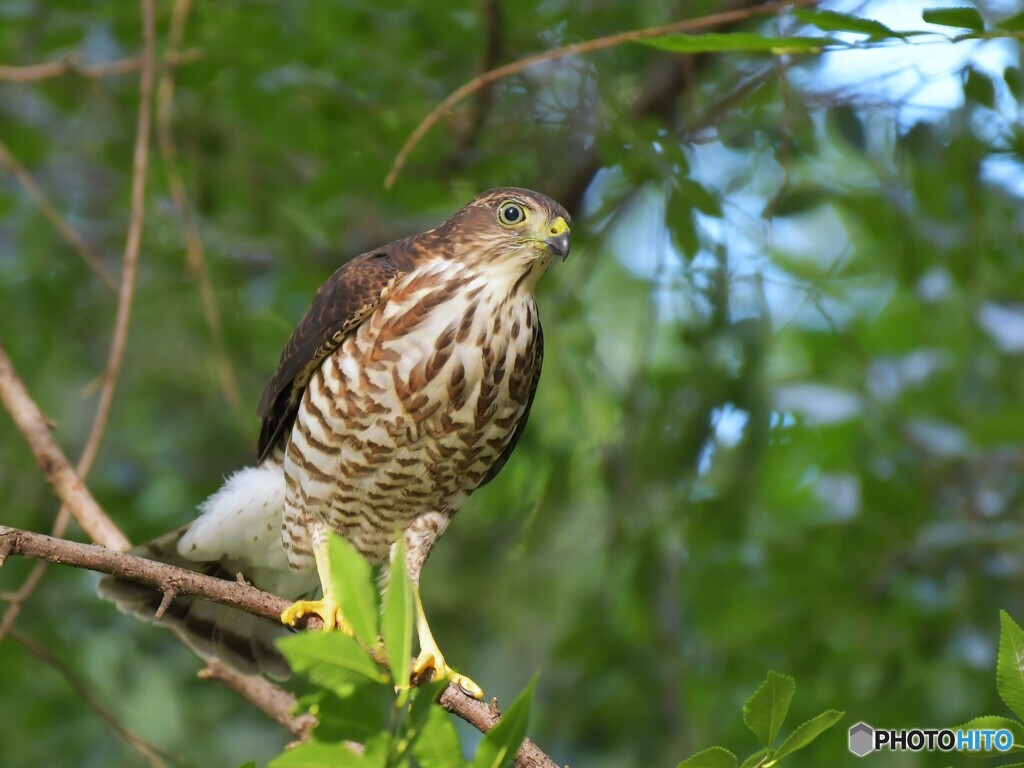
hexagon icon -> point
(862, 739)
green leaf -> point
(831, 21)
(965, 18)
(807, 732)
(330, 659)
(1014, 81)
(352, 580)
(250, 764)
(738, 41)
(846, 122)
(712, 757)
(997, 723)
(316, 754)
(438, 744)
(1013, 23)
(398, 618)
(1010, 664)
(756, 759)
(765, 711)
(424, 699)
(699, 196)
(679, 219)
(979, 88)
(500, 744)
(356, 716)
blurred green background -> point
(781, 424)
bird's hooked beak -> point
(559, 239)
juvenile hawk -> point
(404, 389)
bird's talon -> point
(429, 661)
(326, 608)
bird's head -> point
(510, 228)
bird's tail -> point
(219, 543)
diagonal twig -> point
(575, 49)
(35, 428)
(70, 65)
(47, 208)
(119, 337)
(151, 753)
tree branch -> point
(149, 752)
(49, 210)
(35, 428)
(273, 701)
(575, 49)
(70, 65)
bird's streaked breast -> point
(409, 413)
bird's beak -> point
(559, 239)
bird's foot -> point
(431, 660)
(326, 608)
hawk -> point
(402, 391)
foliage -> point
(764, 714)
(354, 702)
(780, 420)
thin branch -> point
(484, 716)
(494, 42)
(161, 576)
(115, 354)
(576, 49)
(47, 208)
(272, 700)
(70, 65)
(149, 752)
(276, 703)
(35, 428)
(195, 257)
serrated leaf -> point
(501, 743)
(964, 18)
(438, 743)
(832, 21)
(739, 42)
(766, 710)
(1010, 664)
(712, 757)
(1014, 23)
(997, 723)
(352, 580)
(397, 622)
(807, 732)
(330, 659)
(316, 754)
(756, 759)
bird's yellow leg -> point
(326, 607)
(430, 656)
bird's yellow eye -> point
(511, 214)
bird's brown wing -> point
(348, 297)
(500, 461)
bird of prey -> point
(403, 390)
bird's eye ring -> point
(511, 214)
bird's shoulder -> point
(341, 304)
